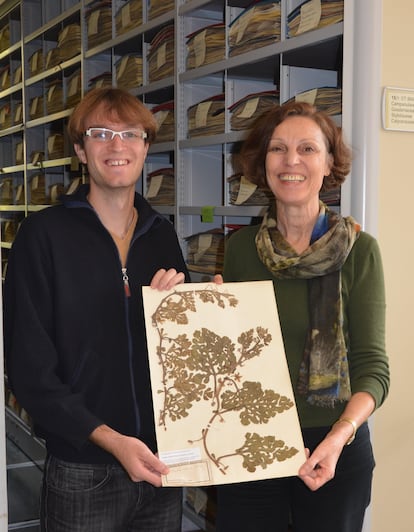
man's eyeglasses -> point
(102, 134)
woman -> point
(329, 288)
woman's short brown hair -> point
(115, 104)
(254, 148)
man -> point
(75, 335)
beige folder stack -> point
(36, 107)
(9, 230)
(164, 115)
(161, 187)
(36, 62)
(4, 37)
(314, 14)
(5, 116)
(55, 146)
(327, 99)
(161, 54)
(159, 7)
(18, 113)
(4, 77)
(19, 153)
(54, 97)
(74, 89)
(207, 117)
(206, 45)
(69, 42)
(99, 22)
(101, 80)
(6, 191)
(128, 16)
(243, 192)
(246, 110)
(129, 71)
(205, 251)
(258, 25)
(38, 194)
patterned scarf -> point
(324, 372)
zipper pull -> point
(126, 282)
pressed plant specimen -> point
(209, 367)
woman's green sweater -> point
(363, 296)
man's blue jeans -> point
(102, 498)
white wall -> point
(392, 507)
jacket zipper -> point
(126, 282)
(127, 290)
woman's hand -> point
(320, 466)
(167, 279)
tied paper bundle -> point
(4, 37)
(256, 26)
(164, 115)
(327, 99)
(128, 16)
(205, 251)
(19, 198)
(54, 97)
(159, 7)
(245, 111)
(52, 58)
(6, 191)
(8, 230)
(206, 45)
(243, 192)
(161, 187)
(74, 89)
(5, 77)
(36, 62)
(129, 71)
(314, 14)
(55, 146)
(206, 117)
(101, 80)
(18, 113)
(17, 76)
(99, 23)
(19, 152)
(5, 116)
(161, 54)
(74, 184)
(36, 107)
(69, 42)
(40, 195)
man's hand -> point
(138, 460)
(167, 279)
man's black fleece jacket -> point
(75, 344)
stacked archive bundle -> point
(161, 187)
(206, 117)
(246, 110)
(206, 45)
(314, 14)
(257, 26)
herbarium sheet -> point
(223, 401)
